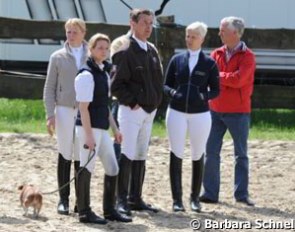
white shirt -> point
(77, 53)
(193, 59)
(84, 85)
(141, 43)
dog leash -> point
(90, 157)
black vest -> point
(98, 108)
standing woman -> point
(191, 80)
(94, 119)
(61, 106)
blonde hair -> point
(119, 44)
(97, 37)
(76, 22)
(198, 27)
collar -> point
(243, 48)
(101, 66)
(236, 48)
(194, 53)
(141, 43)
(76, 49)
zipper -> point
(188, 92)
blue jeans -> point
(238, 126)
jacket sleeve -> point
(119, 87)
(243, 75)
(213, 82)
(50, 87)
(170, 78)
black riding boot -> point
(135, 200)
(197, 177)
(63, 177)
(176, 182)
(86, 215)
(123, 184)
(77, 167)
(109, 201)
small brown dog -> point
(30, 196)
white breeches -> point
(67, 144)
(198, 127)
(104, 150)
(136, 128)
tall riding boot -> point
(123, 184)
(197, 178)
(86, 215)
(109, 201)
(176, 182)
(135, 200)
(77, 167)
(63, 178)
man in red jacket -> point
(230, 111)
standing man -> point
(230, 111)
(138, 86)
(61, 106)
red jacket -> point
(236, 81)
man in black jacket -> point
(137, 85)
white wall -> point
(257, 13)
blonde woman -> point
(192, 79)
(93, 121)
(61, 106)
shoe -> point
(197, 177)
(91, 217)
(246, 201)
(141, 205)
(178, 207)
(63, 177)
(124, 209)
(207, 200)
(175, 170)
(63, 207)
(115, 216)
(195, 206)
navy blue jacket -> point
(190, 93)
(98, 108)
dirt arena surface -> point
(31, 158)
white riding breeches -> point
(104, 150)
(197, 125)
(136, 128)
(67, 144)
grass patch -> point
(272, 124)
(266, 124)
(28, 116)
(20, 116)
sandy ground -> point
(30, 158)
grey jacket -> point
(59, 85)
